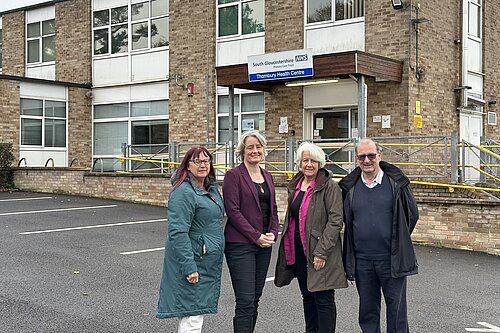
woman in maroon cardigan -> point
(251, 229)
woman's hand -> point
(193, 277)
(265, 240)
(319, 263)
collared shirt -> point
(376, 181)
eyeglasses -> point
(198, 162)
(371, 157)
(252, 147)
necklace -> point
(260, 186)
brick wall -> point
(461, 220)
(192, 55)
(9, 121)
(491, 46)
(73, 41)
(13, 43)
(79, 127)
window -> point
(43, 123)
(321, 10)
(250, 117)
(145, 122)
(1, 43)
(40, 40)
(240, 17)
(148, 23)
(475, 18)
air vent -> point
(492, 118)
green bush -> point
(6, 159)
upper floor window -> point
(43, 123)
(147, 21)
(334, 10)
(41, 43)
(474, 28)
(1, 43)
(240, 17)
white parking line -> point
(55, 210)
(90, 227)
(143, 251)
(25, 199)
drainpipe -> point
(231, 126)
(465, 42)
(361, 107)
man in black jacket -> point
(380, 214)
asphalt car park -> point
(77, 264)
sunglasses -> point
(371, 157)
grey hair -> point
(240, 148)
(377, 145)
(317, 154)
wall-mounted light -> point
(397, 4)
(190, 88)
(311, 82)
(492, 102)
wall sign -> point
(280, 65)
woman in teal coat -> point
(190, 285)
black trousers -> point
(248, 265)
(372, 276)
(320, 311)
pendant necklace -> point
(260, 186)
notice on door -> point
(319, 123)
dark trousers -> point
(320, 312)
(248, 264)
(371, 277)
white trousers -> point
(191, 324)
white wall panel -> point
(111, 95)
(38, 157)
(474, 56)
(337, 38)
(47, 72)
(38, 90)
(331, 95)
(140, 92)
(150, 66)
(110, 71)
(40, 14)
(231, 52)
(105, 4)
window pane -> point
(159, 32)
(101, 41)
(252, 102)
(150, 132)
(228, 21)
(111, 111)
(319, 10)
(119, 15)
(101, 18)
(224, 129)
(140, 11)
(159, 7)
(49, 48)
(255, 120)
(34, 30)
(221, 2)
(140, 35)
(33, 50)
(252, 19)
(119, 38)
(156, 108)
(55, 109)
(31, 132)
(55, 133)
(346, 9)
(31, 107)
(224, 104)
(108, 138)
(474, 28)
(48, 27)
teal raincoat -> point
(195, 242)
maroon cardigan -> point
(241, 201)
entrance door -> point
(471, 126)
(331, 129)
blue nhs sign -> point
(280, 65)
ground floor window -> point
(141, 126)
(248, 114)
(43, 123)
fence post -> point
(291, 153)
(125, 155)
(454, 158)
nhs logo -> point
(301, 57)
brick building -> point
(81, 77)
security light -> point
(397, 4)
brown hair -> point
(182, 171)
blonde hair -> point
(240, 148)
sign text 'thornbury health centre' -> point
(280, 65)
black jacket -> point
(403, 259)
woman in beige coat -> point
(310, 247)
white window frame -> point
(43, 117)
(40, 42)
(239, 4)
(332, 19)
(477, 4)
(1, 45)
(109, 28)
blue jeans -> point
(372, 276)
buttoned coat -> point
(241, 201)
(323, 225)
